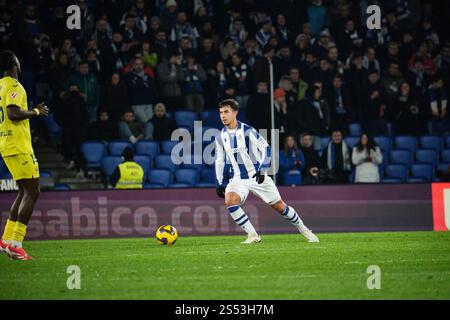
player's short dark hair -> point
(233, 104)
(7, 61)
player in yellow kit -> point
(17, 152)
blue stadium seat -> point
(397, 171)
(427, 156)
(406, 142)
(241, 117)
(422, 170)
(208, 175)
(390, 129)
(167, 146)
(445, 155)
(110, 163)
(211, 118)
(145, 162)
(431, 142)
(292, 178)
(354, 129)
(185, 118)
(447, 141)
(385, 143)
(152, 186)
(351, 141)
(195, 162)
(186, 176)
(6, 176)
(93, 152)
(51, 125)
(179, 185)
(324, 142)
(61, 187)
(402, 156)
(2, 165)
(149, 148)
(45, 174)
(416, 180)
(205, 185)
(391, 180)
(443, 166)
(164, 161)
(159, 177)
(116, 147)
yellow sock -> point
(9, 229)
(20, 230)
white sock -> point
(16, 244)
(291, 215)
(242, 219)
(6, 241)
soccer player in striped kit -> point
(243, 158)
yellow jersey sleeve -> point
(16, 95)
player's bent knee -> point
(279, 206)
(232, 199)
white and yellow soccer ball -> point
(166, 234)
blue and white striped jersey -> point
(240, 153)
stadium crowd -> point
(133, 62)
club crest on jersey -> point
(13, 95)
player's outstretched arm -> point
(219, 166)
(17, 114)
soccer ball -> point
(166, 234)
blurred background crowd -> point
(135, 64)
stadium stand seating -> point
(354, 129)
(164, 161)
(93, 152)
(401, 156)
(429, 156)
(116, 147)
(422, 170)
(148, 148)
(109, 164)
(185, 118)
(145, 162)
(351, 142)
(396, 171)
(406, 142)
(385, 143)
(159, 178)
(186, 176)
(431, 142)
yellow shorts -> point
(22, 166)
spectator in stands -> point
(218, 85)
(337, 159)
(88, 85)
(282, 30)
(312, 159)
(194, 76)
(141, 91)
(375, 105)
(356, 79)
(129, 67)
(407, 113)
(323, 44)
(132, 35)
(149, 56)
(132, 130)
(208, 56)
(370, 61)
(258, 107)
(261, 66)
(266, 31)
(43, 59)
(240, 78)
(128, 174)
(118, 52)
(59, 75)
(333, 59)
(163, 126)
(437, 100)
(71, 115)
(367, 156)
(161, 45)
(183, 28)
(291, 157)
(339, 99)
(103, 129)
(391, 82)
(280, 111)
(115, 98)
(300, 86)
(237, 33)
(317, 16)
(291, 94)
(171, 75)
(282, 62)
(313, 114)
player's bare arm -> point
(17, 114)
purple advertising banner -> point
(113, 213)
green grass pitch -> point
(414, 265)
